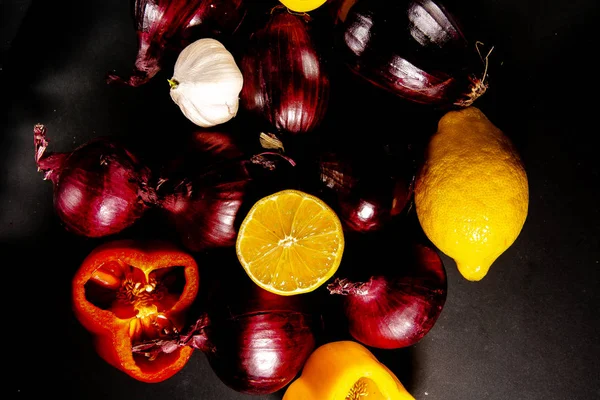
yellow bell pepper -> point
(345, 370)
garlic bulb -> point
(206, 83)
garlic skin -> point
(206, 83)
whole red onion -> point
(203, 207)
(165, 27)
(285, 81)
(368, 188)
(100, 188)
(416, 49)
(396, 309)
(261, 347)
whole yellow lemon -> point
(471, 192)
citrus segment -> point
(290, 242)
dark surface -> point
(528, 330)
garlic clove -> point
(206, 83)
(205, 115)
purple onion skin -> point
(257, 341)
(203, 209)
(391, 312)
(100, 188)
(202, 148)
(370, 209)
(165, 27)
(285, 82)
(260, 353)
(413, 48)
(204, 186)
(367, 193)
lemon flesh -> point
(290, 242)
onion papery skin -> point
(415, 49)
(100, 188)
(165, 27)
(390, 312)
(286, 84)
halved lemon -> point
(290, 242)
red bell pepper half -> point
(126, 292)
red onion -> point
(204, 207)
(100, 188)
(285, 82)
(220, 145)
(398, 309)
(202, 148)
(255, 341)
(415, 49)
(367, 189)
(165, 27)
(204, 190)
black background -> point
(528, 330)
